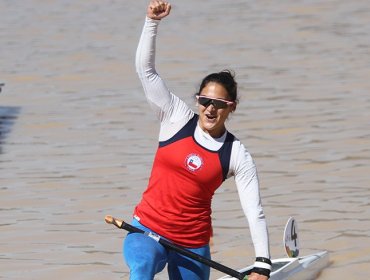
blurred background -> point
(77, 138)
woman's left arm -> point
(246, 179)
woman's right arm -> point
(156, 91)
(170, 110)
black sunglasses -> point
(218, 103)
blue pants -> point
(145, 257)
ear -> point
(233, 107)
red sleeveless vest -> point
(185, 175)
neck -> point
(215, 133)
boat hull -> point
(302, 268)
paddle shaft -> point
(181, 250)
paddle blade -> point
(291, 242)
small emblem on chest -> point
(193, 162)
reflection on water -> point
(77, 137)
(8, 116)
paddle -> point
(181, 250)
(291, 241)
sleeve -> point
(167, 107)
(246, 179)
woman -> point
(195, 155)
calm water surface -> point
(77, 138)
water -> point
(77, 138)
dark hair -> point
(224, 78)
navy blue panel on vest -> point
(186, 131)
(224, 153)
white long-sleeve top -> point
(173, 114)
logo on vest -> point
(193, 162)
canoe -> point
(293, 267)
(302, 268)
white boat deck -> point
(302, 268)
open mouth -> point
(211, 117)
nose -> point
(211, 102)
(211, 107)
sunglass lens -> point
(205, 101)
(219, 104)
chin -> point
(209, 127)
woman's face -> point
(212, 119)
